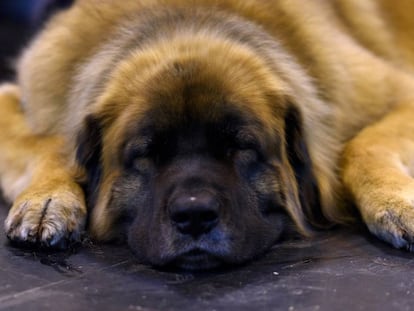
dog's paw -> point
(391, 218)
(51, 218)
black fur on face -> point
(88, 155)
(300, 160)
(201, 194)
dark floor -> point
(341, 270)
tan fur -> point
(349, 65)
(47, 201)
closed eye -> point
(137, 148)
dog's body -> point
(237, 111)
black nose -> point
(194, 214)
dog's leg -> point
(378, 171)
(48, 206)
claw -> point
(50, 223)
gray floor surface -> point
(339, 270)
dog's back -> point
(361, 35)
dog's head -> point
(197, 162)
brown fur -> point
(347, 67)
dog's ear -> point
(301, 164)
(88, 156)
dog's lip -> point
(197, 259)
(195, 253)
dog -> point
(203, 132)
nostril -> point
(194, 215)
(180, 217)
(209, 216)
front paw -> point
(391, 218)
(51, 218)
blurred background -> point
(19, 21)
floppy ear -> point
(88, 156)
(301, 163)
